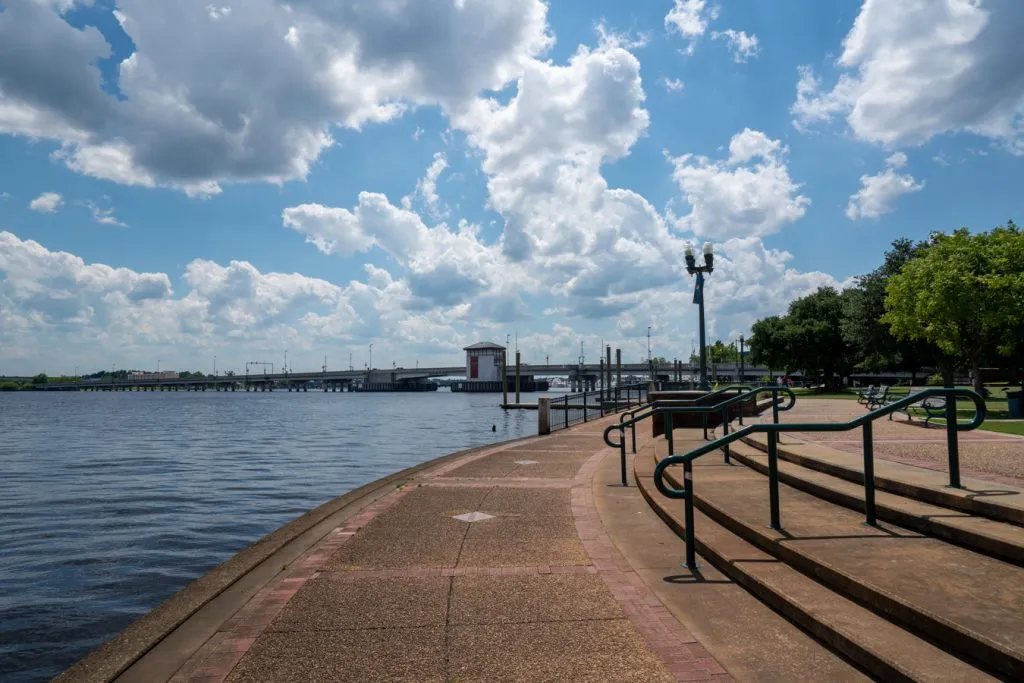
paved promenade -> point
(490, 566)
(992, 456)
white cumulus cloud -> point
(916, 69)
(248, 91)
(47, 202)
(750, 193)
(879, 192)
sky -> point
(239, 179)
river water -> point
(111, 502)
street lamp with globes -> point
(698, 298)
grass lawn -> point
(808, 393)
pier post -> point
(608, 372)
(517, 377)
(504, 378)
(618, 367)
(543, 416)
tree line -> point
(951, 302)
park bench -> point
(933, 406)
(862, 396)
(877, 398)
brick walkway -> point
(529, 588)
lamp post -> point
(743, 375)
(369, 360)
(698, 298)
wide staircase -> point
(908, 579)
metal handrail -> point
(773, 430)
(669, 410)
(610, 394)
(679, 401)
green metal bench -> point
(877, 399)
(933, 406)
(862, 396)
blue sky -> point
(240, 178)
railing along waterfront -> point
(670, 407)
(774, 429)
(573, 409)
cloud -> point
(104, 216)
(285, 75)
(47, 202)
(426, 188)
(444, 267)
(748, 194)
(878, 193)
(690, 18)
(918, 69)
(542, 154)
(742, 46)
(672, 84)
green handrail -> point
(680, 401)
(669, 410)
(773, 430)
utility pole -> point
(350, 368)
(215, 367)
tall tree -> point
(871, 341)
(964, 293)
(767, 343)
(814, 337)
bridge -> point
(585, 376)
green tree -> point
(964, 293)
(870, 340)
(767, 343)
(813, 335)
(41, 378)
(720, 352)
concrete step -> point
(882, 649)
(1000, 502)
(966, 602)
(1001, 540)
(748, 638)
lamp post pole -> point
(698, 298)
(743, 375)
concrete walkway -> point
(493, 566)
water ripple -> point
(111, 502)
